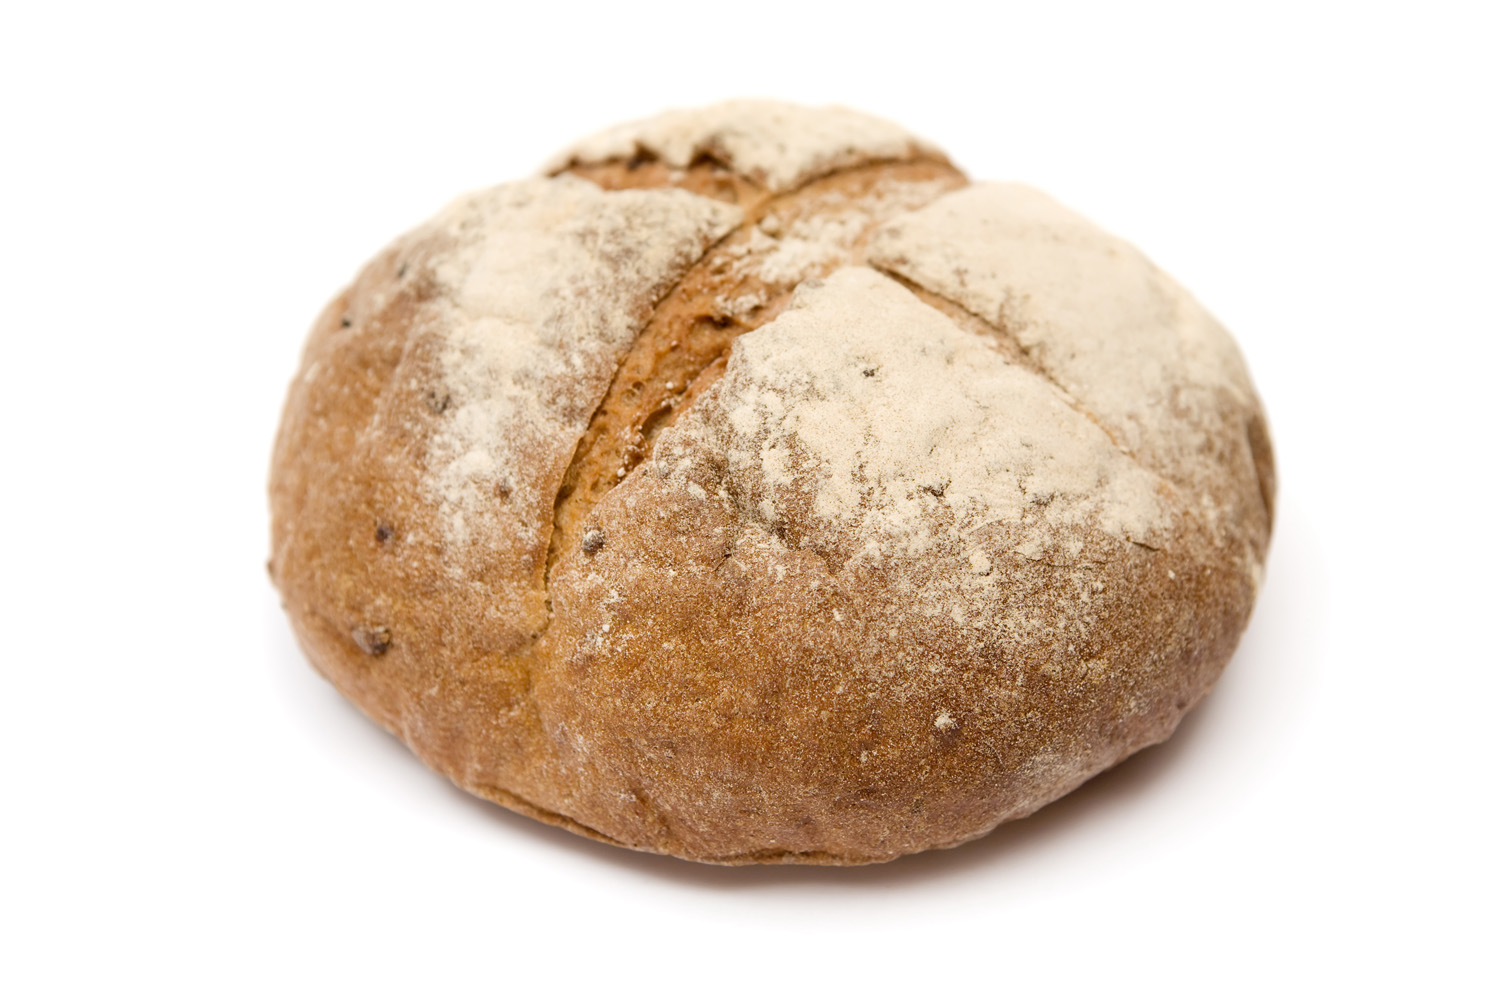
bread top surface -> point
(769, 492)
(776, 146)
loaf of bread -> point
(752, 487)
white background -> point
(188, 810)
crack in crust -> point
(1259, 438)
(516, 803)
(1008, 345)
(770, 855)
(685, 345)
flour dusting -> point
(547, 284)
(1125, 340)
(777, 145)
(826, 230)
(869, 425)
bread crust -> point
(637, 540)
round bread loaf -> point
(751, 487)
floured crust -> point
(776, 146)
(787, 503)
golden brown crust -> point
(660, 666)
